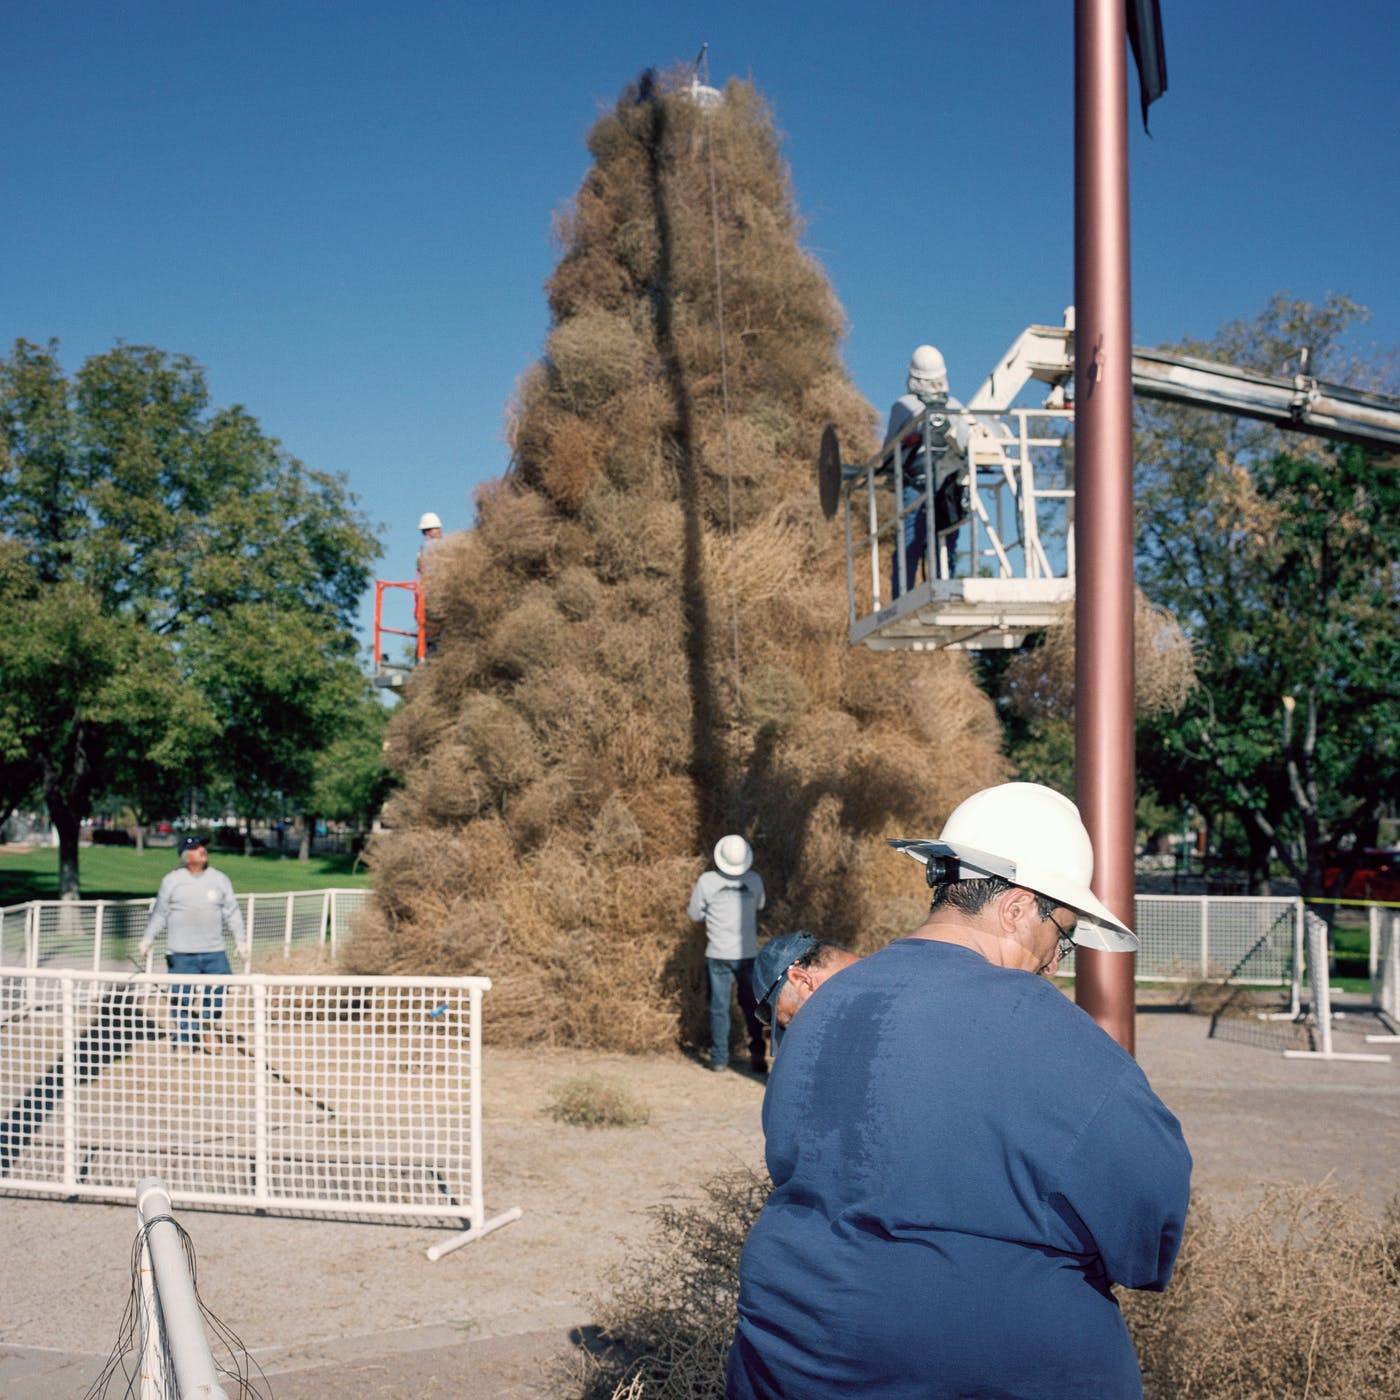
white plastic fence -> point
(1320, 1015)
(1183, 938)
(1249, 940)
(1385, 972)
(104, 933)
(354, 1096)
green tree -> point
(143, 521)
(352, 779)
(1278, 556)
(281, 697)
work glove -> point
(146, 945)
(243, 951)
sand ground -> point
(356, 1309)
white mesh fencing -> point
(1385, 972)
(1248, 940)
(105, 934)
(1320, 988)
(357, 1096)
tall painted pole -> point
(1104, 764)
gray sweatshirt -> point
(194, 911)
(729, 905)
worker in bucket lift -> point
(927, 389)
(963, 1163)
(430, 527)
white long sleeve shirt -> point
(194, 910)
(729, 905)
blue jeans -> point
(723, 972)
(189, 1018)
(914, 535)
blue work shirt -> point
(962, 1164)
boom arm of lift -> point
(1299, 402)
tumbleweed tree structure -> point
(643, 637)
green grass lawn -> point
(117, 872)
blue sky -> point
(343, 210)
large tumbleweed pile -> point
(643, 638)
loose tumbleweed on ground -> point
(1298, 1296)
(590, 1101)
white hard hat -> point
(927, 372)
(1032, 836)
(429, 521)
(732, 855)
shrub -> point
(589, 1101)
(670, 1314)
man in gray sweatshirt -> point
(194, 906)
(728, 899)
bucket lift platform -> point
(391, 675)
(997, 492)
(998, 557)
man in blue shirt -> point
(963, 1163)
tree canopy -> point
(146, 535)
(1278, 554)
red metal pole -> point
(1104, 760)
(378, 619)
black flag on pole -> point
(1149, 50)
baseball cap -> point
(190, 843)
(770, 969)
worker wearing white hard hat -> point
(964, 1165)
(430, 526)
(727, 899)
(927, 385)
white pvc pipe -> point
(1322, 1000)
(195, 1375)
(475, 1233)
(153, 1377)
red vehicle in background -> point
(1367, 874)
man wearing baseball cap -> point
(194, 906)
(787, 970)
(963, 1163)
(728, 899)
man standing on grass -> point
(728, 899)
(963, 1163)
(194, 907)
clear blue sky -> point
(343, 209)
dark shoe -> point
(719, 1068)
(759, 1065)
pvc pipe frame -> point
(1322, 1002)
(182, 1321)
(1104, 707)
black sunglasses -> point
(1066, 943)
(764, 1009)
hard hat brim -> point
(729, 868)
(1098, 927)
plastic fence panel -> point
(1169, 930)
(14, 923)
(318, 1094)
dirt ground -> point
(356, 1310)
